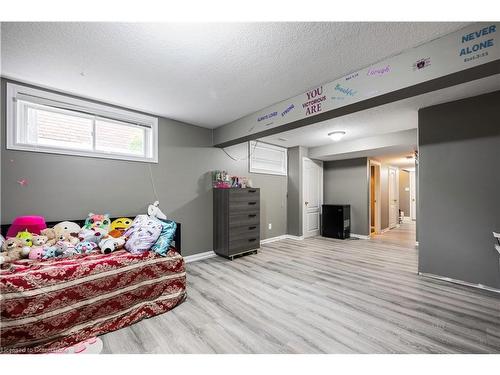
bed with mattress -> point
(51, 304)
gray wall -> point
(404, 196)
(346, 182)
(294, 197)
(459, 185)
(68, 187)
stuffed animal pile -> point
(67, 239)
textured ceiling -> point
(392, 117)
(203, 74)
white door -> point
(393, 198)
(413, 197)
(312, 196)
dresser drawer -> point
(244, 193)
(243, 244)
(243, 205)
(244, 231)
(238, 219)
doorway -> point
(393, 197)
(312, 196)
(375, 207)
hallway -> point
(404, 235)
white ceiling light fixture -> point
(336, 136)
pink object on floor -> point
(33, 224)
(92, 345)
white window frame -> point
(254, 146)
(63, 102)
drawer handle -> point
(252, 191)
(252, 215)
(252, 203)
(253, 227)
(252, 239)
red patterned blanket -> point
(51, 304)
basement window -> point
(267, 159)
(42, 121)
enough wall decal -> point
(377, 72)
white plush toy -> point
(154, 211)
(67, 227)
(110, 244)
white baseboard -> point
(282, 237)
(360, 236)
(199, 256)
(385, 230)
(273, 239)
(211, 254)
(291, 237)
(460, 282)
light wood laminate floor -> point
(320, 296)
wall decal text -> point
(314, 99)
(345, 90)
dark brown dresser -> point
(236, 221)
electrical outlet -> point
(270, 225)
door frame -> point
(396, 195)
(378, 197)
(302, 198)
(413, 195)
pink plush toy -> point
(36, 252)
(32, 224)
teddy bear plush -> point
(51, 234)
(110, 244)
(39, 240)
(37, 250)
(85, 247)
(66, 237)
(12, 250)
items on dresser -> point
(236, 221)
(222, 180)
